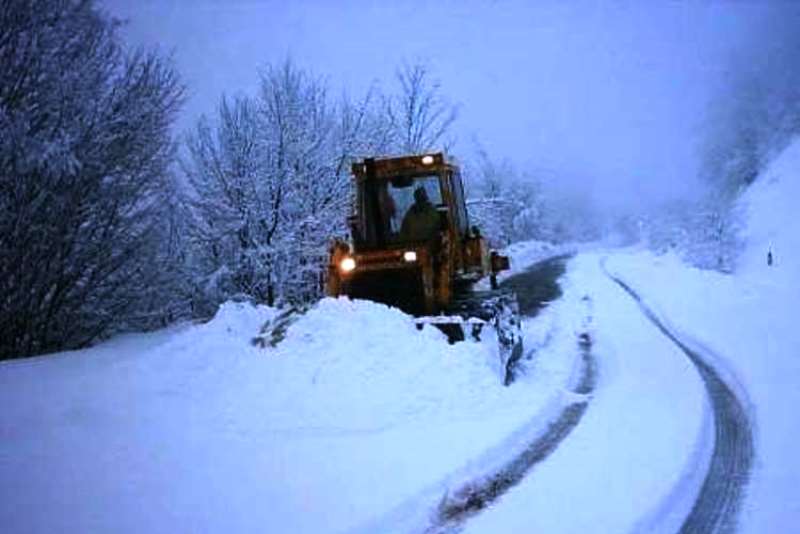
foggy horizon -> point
(608, 99)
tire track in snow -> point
(717, 505)
(468, 500)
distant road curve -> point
(716, 508)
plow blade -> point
(470, 318)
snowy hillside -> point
(770, 209)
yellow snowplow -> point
(412, 247)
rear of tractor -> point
(412, 247)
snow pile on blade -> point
(360, 364)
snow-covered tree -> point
(272, 186)
(225, 173)
(421, 117)
(271, 178)
(704, 231)
(84, 156)
(504, 203)
(714, 241)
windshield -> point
(401, 209)
(402, 199)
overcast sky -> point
(608, 95)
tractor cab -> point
(405, 201)
(411, 243)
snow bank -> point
(353, 415)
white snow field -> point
(355, 416)
(357, 422)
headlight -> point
(409, 256)
(347, 265)
(427, 160)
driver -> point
(421, 221)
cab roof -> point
(403, 165)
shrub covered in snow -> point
(85, 151)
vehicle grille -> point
(401, 288)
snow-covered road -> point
(610, 429)
(717, 505)
(536, 287)
(636, 460)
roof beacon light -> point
(427, 160)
